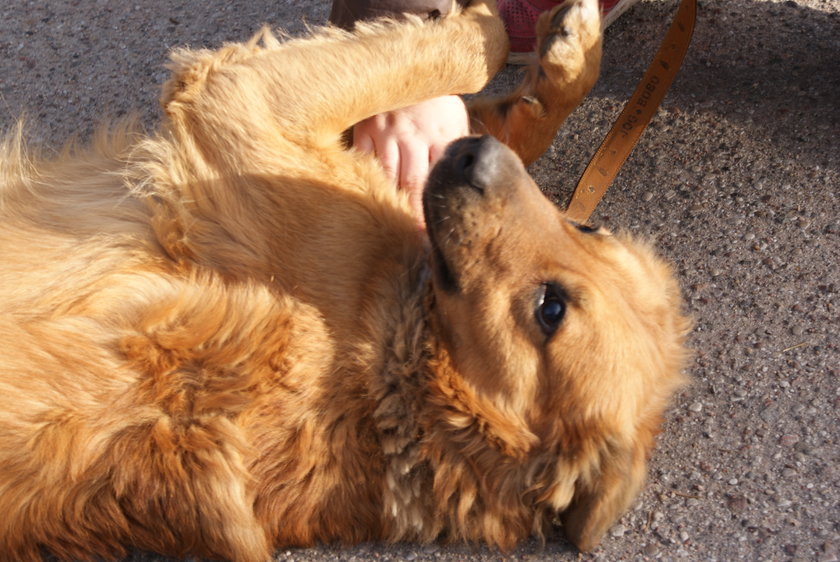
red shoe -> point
(520, 17)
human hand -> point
(410, 140)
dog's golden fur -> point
(228, 336)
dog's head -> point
(576, 332)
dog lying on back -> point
(228, 337)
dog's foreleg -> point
(309, 91)
(564, 69)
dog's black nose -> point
(476, 160)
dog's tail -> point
(15, 165)
(28, 168)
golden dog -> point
(228, 337)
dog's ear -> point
(601, 498)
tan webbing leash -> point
(635, 116)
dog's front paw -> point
(481, 7)
(561, 71)
(569, 43)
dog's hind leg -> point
(564, 69)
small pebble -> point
(770, 414)
(789, 440)
(736, 503)
(618, 531)
(696, 407)
(828, 546)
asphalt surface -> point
(738, 180)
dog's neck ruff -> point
(399, 394)
(442, 442)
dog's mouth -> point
(449, 183)
(444, 274)
(439, 229)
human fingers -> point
(388, 153)
(414, 169)
(362, 140)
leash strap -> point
(637, 113)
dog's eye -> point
(551, 308)
(588, 229)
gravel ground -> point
(738, 179)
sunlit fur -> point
(224, 337)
